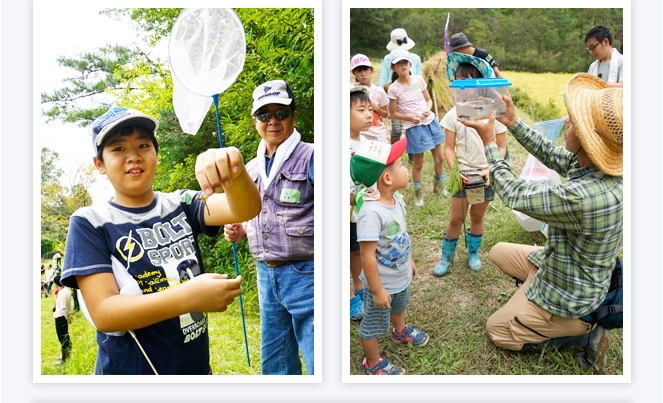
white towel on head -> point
(282, 154)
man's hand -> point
(234, 232)
(382, 299)
(486, 130)
(217, 167)
(510, 117)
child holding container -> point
(409, 101)
(465, 144)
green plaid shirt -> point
(585, 224)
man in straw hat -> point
(569, 277)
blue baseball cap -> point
(117, 118)
(400, 54)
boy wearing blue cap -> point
(136, 258)
(385, 249)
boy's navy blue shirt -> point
(148, 249)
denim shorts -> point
(354, 244)
(376, 321)
(422, 138)
(488, 194)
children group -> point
(381, 263)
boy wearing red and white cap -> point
(385, 251)
(363, 71)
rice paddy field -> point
(541, 87)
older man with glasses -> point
(281, 236)
(609, 64)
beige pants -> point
(521, 321)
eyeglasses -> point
(591, 48)
(281, 114)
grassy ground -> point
(453, 309)
(227, 351)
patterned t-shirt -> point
(148, 249)
(386, 225)
(411, 101)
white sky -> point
(66, 29)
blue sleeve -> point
(385, 72)
(311, 169)
(86, 251)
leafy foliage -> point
(535, 40)
(59, 202)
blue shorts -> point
(422, 138)
(488, 194)
(376, 321)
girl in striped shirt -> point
(409, 101)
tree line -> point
(522, 39)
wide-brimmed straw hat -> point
(596, 111)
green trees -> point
(535, 40)
(59, 202)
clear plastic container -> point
(477, 97)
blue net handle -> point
(550, 128)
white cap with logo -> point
(271, 92)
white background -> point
(16, 220)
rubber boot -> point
(439, 185)
(473, 242)
(594, 356)
(419, 197)
(448, 253)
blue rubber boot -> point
(448, 253)
(473, 242)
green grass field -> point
(453, 309)
(227, 351)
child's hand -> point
(485, 175)
(414, 268)
(217, 167)
(352, 199)
(425, 113)
(415, 119)
(234, 232)
(382, 299)
(213, 292)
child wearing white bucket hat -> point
(399, 40)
